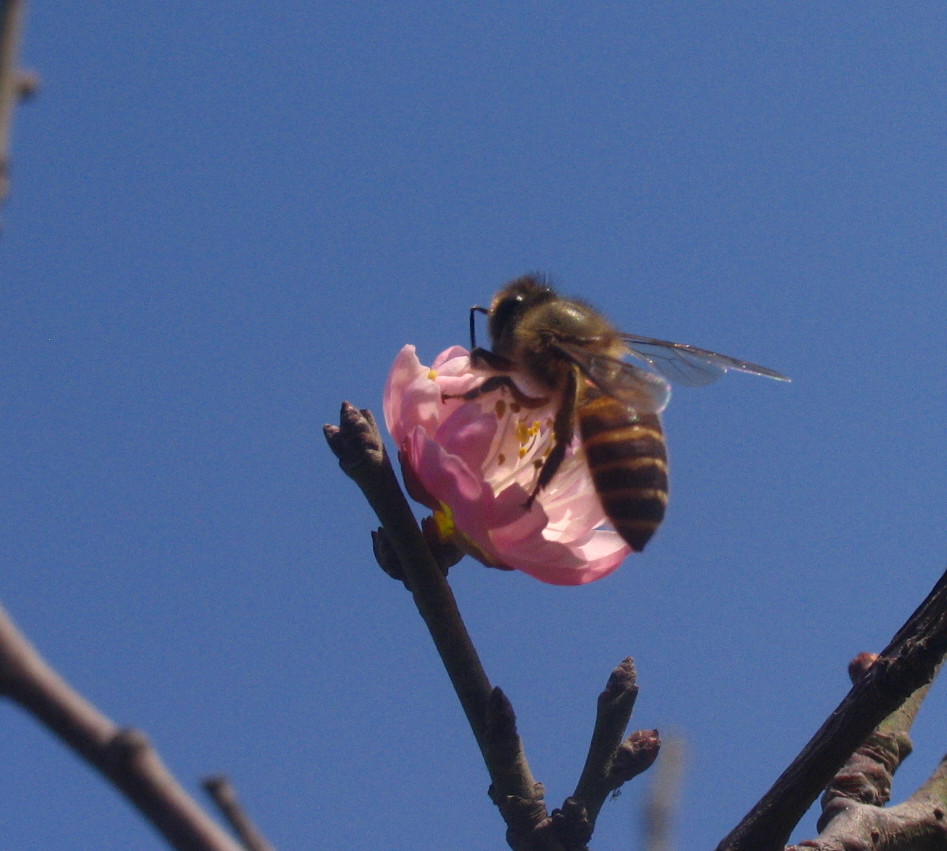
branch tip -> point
(356, 441)
(224, 795)
(622, 681)
(634, 756)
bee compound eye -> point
(507, 308)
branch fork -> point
(409, 552)
(845, 757)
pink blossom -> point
(475, 463)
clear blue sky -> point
(228, 217)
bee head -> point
(513, 301)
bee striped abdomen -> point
(628, 460)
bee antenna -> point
(473, 331)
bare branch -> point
(225, 796)
(614, 707)
(14, 84)
(358, 445)
(403, 551)
(575, 821)
(124, 756)
(853, 813)
(906, 664)
(867, 775)
(599, 775)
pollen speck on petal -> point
(476, 462)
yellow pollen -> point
(444, 519)
(431, 374)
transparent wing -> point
(639, 389)
(690, 365)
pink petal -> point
(451, 451)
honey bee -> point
(570, 349)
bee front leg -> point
(484, 358)
(563, 429)
(495, 382)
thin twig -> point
(906, 664)
(224, 795)
(14, 85)
(123, 755)
(405, 554)
(599, 777)
(613, 712)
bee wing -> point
(637, 388)
(690, 365)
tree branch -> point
(599, 775)
(853, 812)
(403, 552)
(14, 84)
(358, 445)
(907, 663)
(225, 797)
(123, 755)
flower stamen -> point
(475, 461)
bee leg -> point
(495, 382)
(484, 357)
(563, 429)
